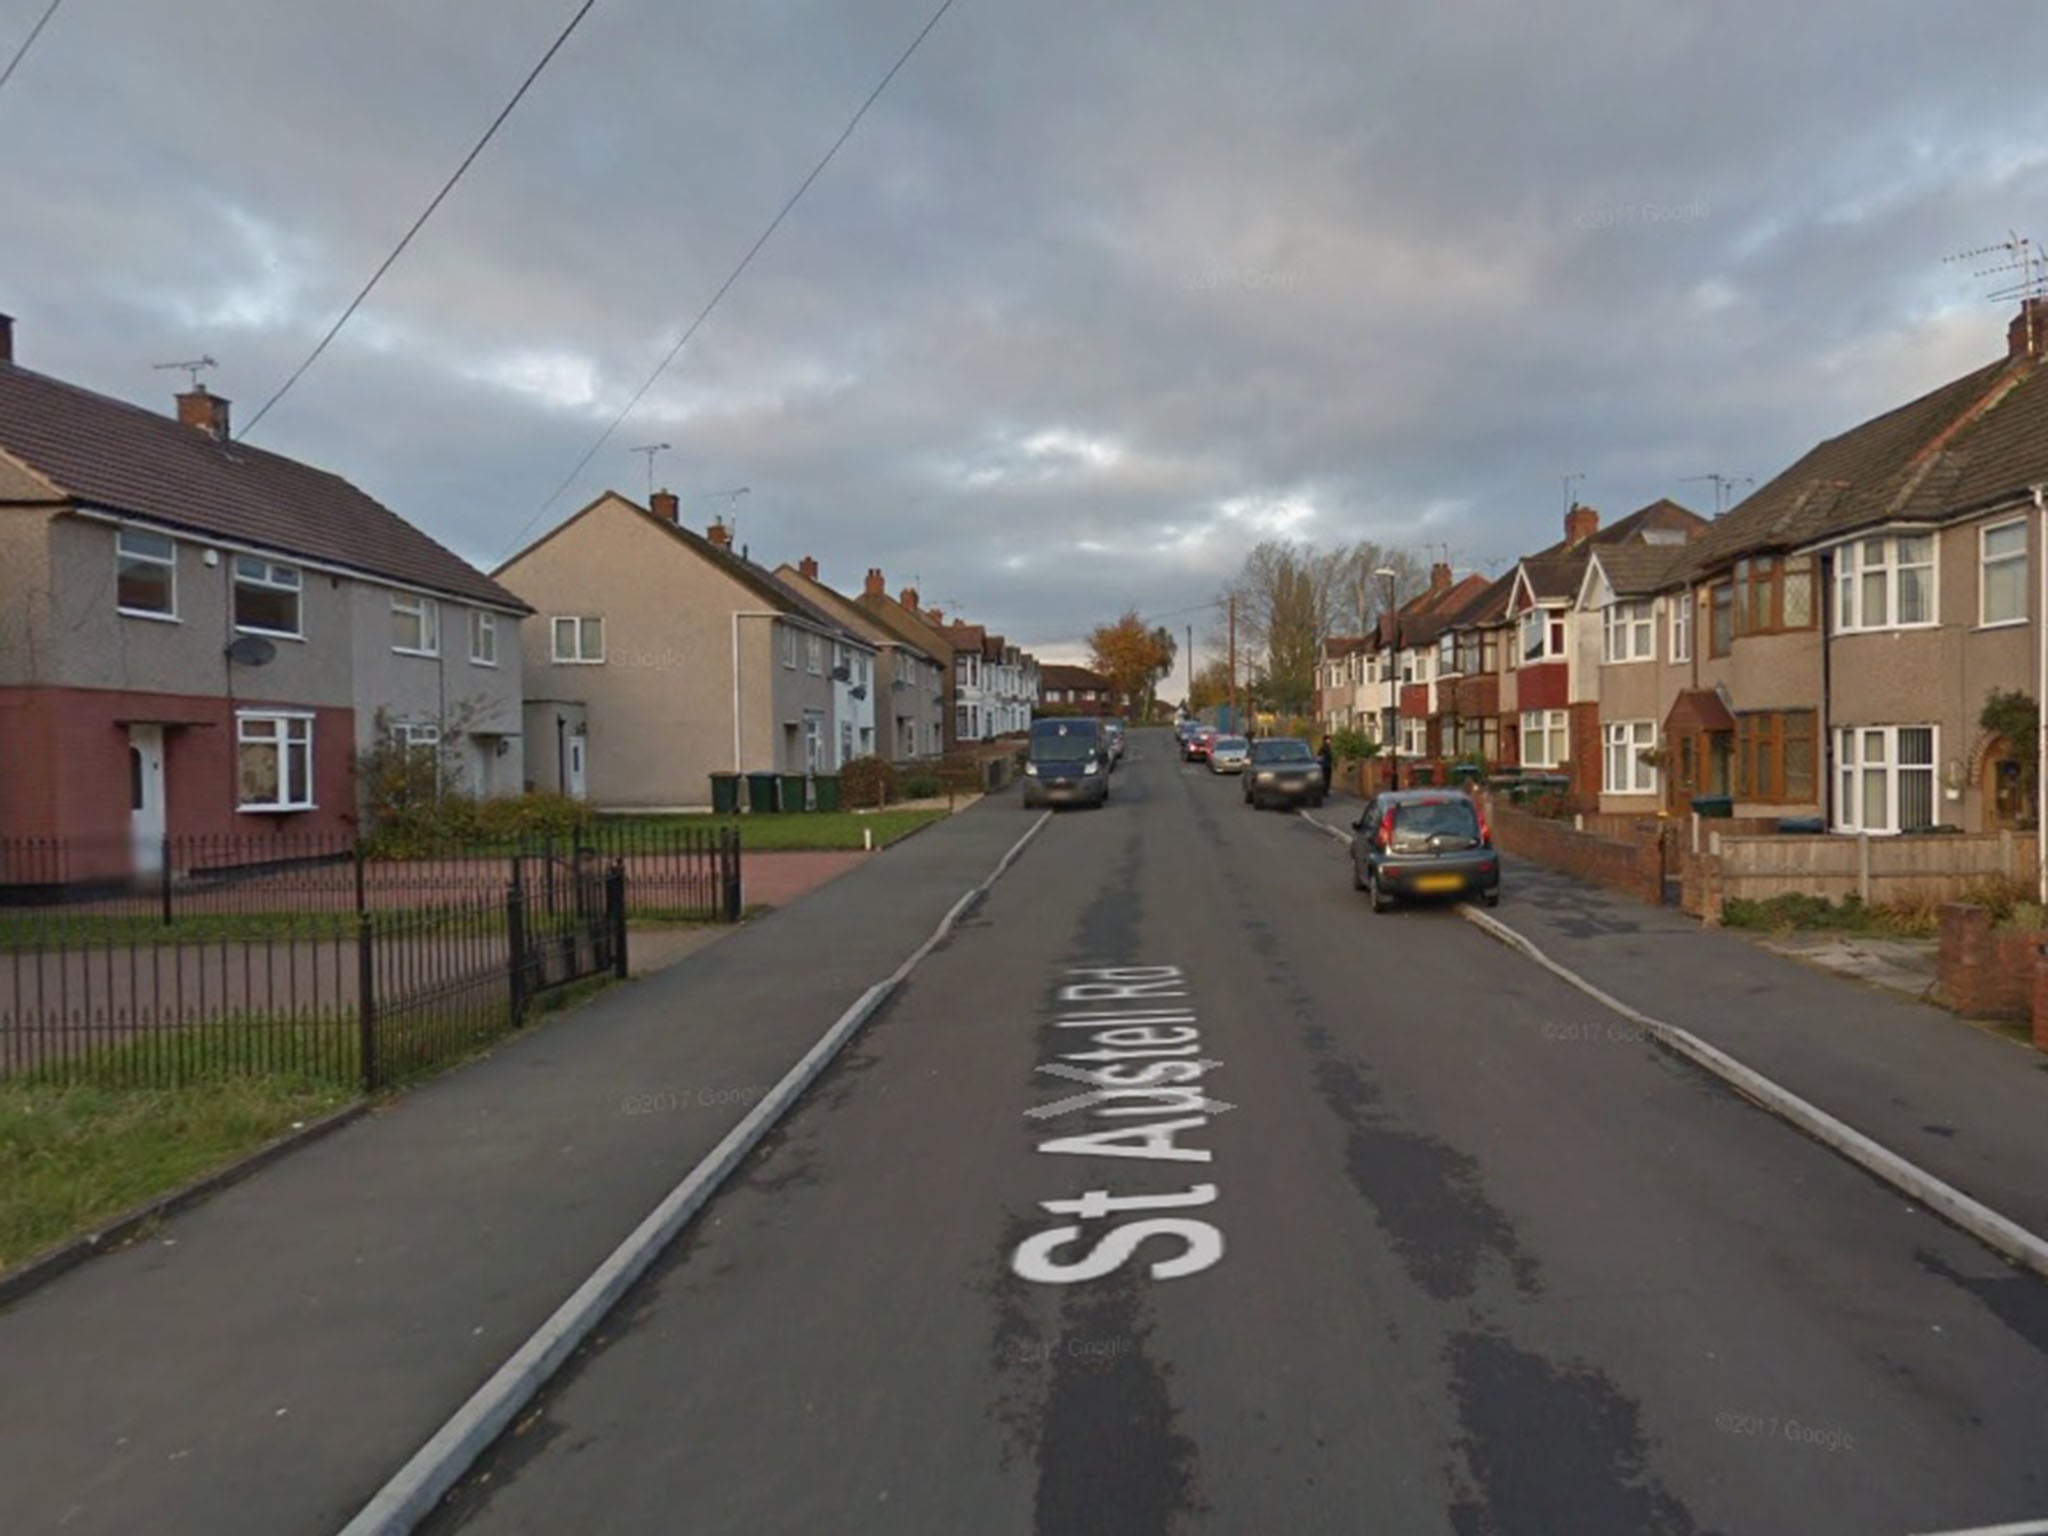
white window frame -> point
(1625, 741)
(1628, 631)
(428, 611)
(1863, 750)
(814, 654)
(1546, 618)
(2020, 557)
(1681, 626)
(1549, 727)
(789, 646)
(141, 556)
(483, 638)
(285, 729)
(269, 576)
(1854, 565)
(575, 655)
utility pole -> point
(1191, 668)
(1234, 724)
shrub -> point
(869, 781)
(535, 815)
(923, 786)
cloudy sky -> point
(1098, 294)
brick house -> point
(1077, 690)
(198, 636)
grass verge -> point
(804, 831)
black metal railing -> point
(336, 964)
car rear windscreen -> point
(1232, 743)
(1454, 821)
(1282, 752)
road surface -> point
(1429, 1245)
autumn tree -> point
(1132, 657)
(1211, 686)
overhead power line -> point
(27, 43)
(419, 223)
(752, 251)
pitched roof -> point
(1488, 606)
(1639, 570)
(1437, 611)
(1556, 572)
(843, 611)
(117, 457)
(909, 624)
(1968, 445)
(1054, 674)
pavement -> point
(263, 1362)
(1175, 1191)
(1431, 1244)
(1909, 966)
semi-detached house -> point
(199, 637)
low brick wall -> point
(1984, 974)
(1633, 868)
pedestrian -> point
(1324, 756)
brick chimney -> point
(937, 616)
(6, 338)
(876, 587)
(1439, 579)
(808, 567)
(720, 535)
(908, 598)
(666, 505)
(209, 413)
(2027, 336)
(1580, 524)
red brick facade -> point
(1546, 685)
(1633, 868)
(1984, 974)
(1582, 740)
(64, 766)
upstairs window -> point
(267, 597)
(2002, 585)
(1885, 583)
(145, 574)
(415, 625)
(1628, 632)
(814, 654)
(1721, 619)
(578, 640)
(483, 638)
(1681, 626)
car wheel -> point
(1380, 899)
(1357, 880)
(1492, 897)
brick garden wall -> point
(1984, 974)
(1633, 868)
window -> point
(145, 574)
(1721, 621)
(267, 597)
(1627, 741)
(1414, 738)
(578, 640)
(1774, 757)
(2002, 583)
(788, 646)
(415, 625)
(1885, 778)
(961, 723)
(1542, 635)
(274, 761)
(814, 654)
(1543, 738)
(1628, 632)
(1489, 651)
(1681, 626)
(1770, 594)
(1885, 583)
(1447, 656)
(483, 638)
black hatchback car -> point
(1283, 771)
(1424, 842)
(1068, 763)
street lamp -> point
(1392, 577)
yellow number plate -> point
(1439, 882)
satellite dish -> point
(252, 651)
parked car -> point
(1196, 748)
(1424, 842)
(1067, 763)
(1114, 729)
(1229, 754)
(1283, 771)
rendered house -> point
(1850, 618)
(902, 617)
(197, 636)
(908, 696)
(659, 656)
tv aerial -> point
(195, 367)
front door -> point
(146, 796)
(577, 787)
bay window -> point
(274, 760)
(2002, 579)
(1627, 773)
(1884, 778)
(1544, 742)
(1885, 583)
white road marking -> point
(417, 1487)
(2000, 1233)
(2023, 1528)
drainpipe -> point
(737, 615)
(1824, 749)
(2041, 694)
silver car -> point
(1229, 754)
